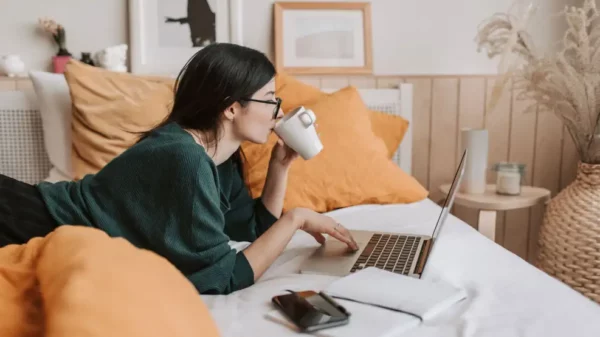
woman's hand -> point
(317, 224)
(262, 252)
(282, 155)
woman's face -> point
(256, 122)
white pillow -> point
(55, 104)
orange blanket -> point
(77, 281)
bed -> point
(506, 295)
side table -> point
(490, 202)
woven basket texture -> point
(570, 234)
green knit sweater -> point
(165, 194)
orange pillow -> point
(109, 108)
(391, 129)
(352, 169)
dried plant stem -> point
(566, 83)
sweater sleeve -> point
(196, 241)
(247, 218)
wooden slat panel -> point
(421, 125)
(315, 81)
(546, 169)
(471, 108)
(389, 82)
(498, 124)
(7, 84)
(444, 113)
(522, 146)
(364, 82)
(570, 158)
(334, 82)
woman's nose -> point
(280, 113)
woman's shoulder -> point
(170, 140)
(167, 150)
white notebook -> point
(383, 303)
(419, 297)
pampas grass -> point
(566, 83)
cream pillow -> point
(55, 104)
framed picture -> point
(323, 37)
(165, 34)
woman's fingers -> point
(319, 237)
(343, 235)
(347, 234)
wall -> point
(90, 26)
(417, 37)
(409, 37)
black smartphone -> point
(311, 311)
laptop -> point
(405, 254)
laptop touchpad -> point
(334, 248)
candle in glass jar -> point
(508, 182)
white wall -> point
(90, 26)
(418, 36)
(409, 36)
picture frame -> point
(163, 37)
(323, 37)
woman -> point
(179, 191)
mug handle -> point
(304, 120)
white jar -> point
(12, 65)
(508, 178)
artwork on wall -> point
(165, 34)
(323, 37)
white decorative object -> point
(509, 178)
(112, 58)
(163, 36)
(12, 65)
(476, 142)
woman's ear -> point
(232, 111)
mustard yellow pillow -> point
(353, 168)
(391, 129)
(109, 108)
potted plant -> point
(567, 84)
(58, 34)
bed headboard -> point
(23, 153)
(397, 102)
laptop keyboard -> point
(394, 253)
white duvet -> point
(506, 295)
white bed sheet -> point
(507, 296)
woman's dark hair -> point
(214, 78)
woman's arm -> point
(274, 189)
(282, 157)
(262, 252)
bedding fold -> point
(78, 281)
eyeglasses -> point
(277, 104)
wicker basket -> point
(570, 234)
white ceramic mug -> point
(297, 130)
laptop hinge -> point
(423, 256)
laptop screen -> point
(450, 198)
